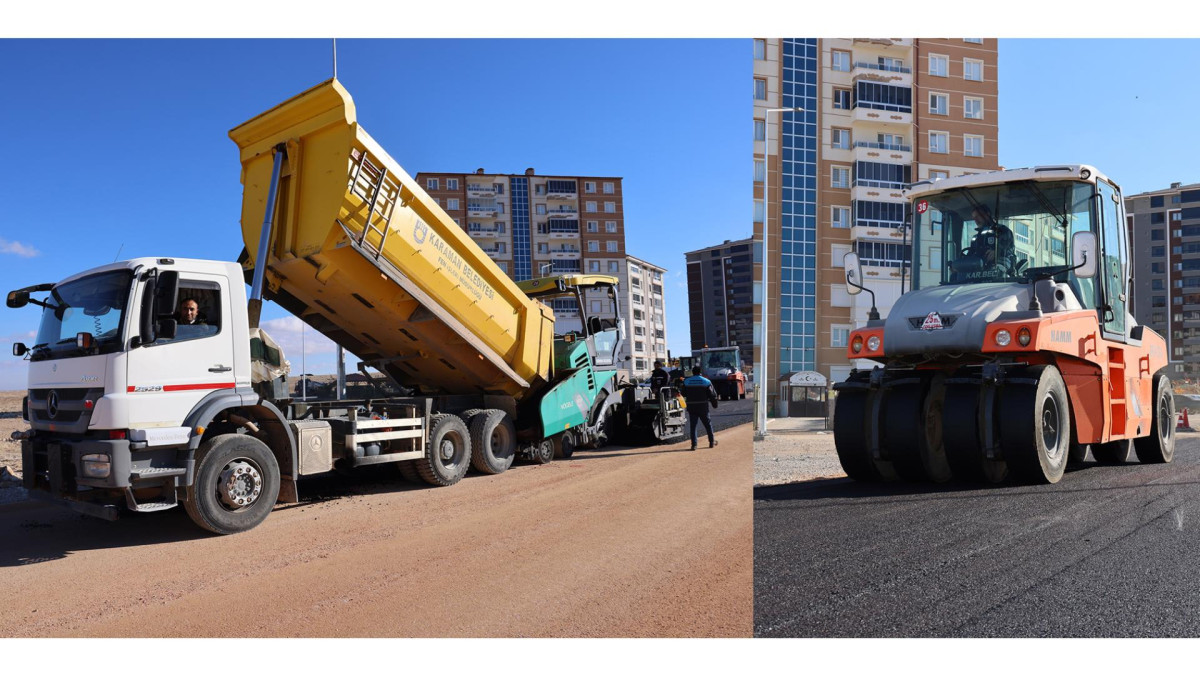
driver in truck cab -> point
(189, 313)
(992, 252)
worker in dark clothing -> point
(699, 392)
(659, 378)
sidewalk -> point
(795, 425)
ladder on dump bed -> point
(372, 184)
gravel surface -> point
(795, 457)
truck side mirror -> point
(166, 293)
(18, 299)
(165, 329)
(1083, 254)
(19, 349)
(853, 273)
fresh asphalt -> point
(1109, 551)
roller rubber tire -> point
(962, 439)
(1114, 452)
(851, 436)
(448, 435)
(1036, 435)
(204, 504)
(913, 419)
(1159, 446)
(493, 441)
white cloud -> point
(17, 248)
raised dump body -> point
(361, 253)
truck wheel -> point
(1159, 446)
(1036, 434)
(852, 425)
(564, 445)
(1113, 452)
(408, 471)
(236, 484)
(448, 452)
(961, 415)
(542, 452)
(493, 441)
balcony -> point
(496, 252)
(879, 116)
(877, 191)
(570, 212)
(481, 190)
(898, 75)
(562, 194)
(886, 45)
(885, 153)
(486, 232)
(481, 211)
(876, 232)
(562, 253)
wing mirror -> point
(1083, 254)
(19, 349)
(853, 273)
(18, 299)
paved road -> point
(1107, 552)
(616, 542)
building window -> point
(939, 65)
(760, 170)
(760, 50)
(840, 60)
(612, 246)
(431, 183)
(939, 104)
(610, 188)
(594, 266)
(760, 89)
(1156, 235)
(451, 183)
(976, 41)
(841, 139)
(590, 207)
(593, 246)
(1158, 251)
(610, 226)
(972, 108)
(539, 189)
(839, 177)
(610, 207)
(760, 130)
(589, 187)
(972, 145)
(840, 216)
(1156, 284)
(939, 142)
(614, 267)
(973, 70)
(540, 209)
(593, 226)
(839, 336)
(758, 211)
(935, 174)
(841, 99)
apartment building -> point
(720, 295)
(1164, 228)
(645, 315)
(878, 114)
(533, 225)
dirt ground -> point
(615, 543)
(10, 421)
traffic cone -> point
(1183, 420)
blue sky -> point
(110, 145)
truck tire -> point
(564, 445)
(1036, 434)
(235, 486)
(493, 441)
(1113, 452)
(448, 452)
(1159, 446)
(542, 452)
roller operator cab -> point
(1014, 352)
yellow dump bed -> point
(361, 253)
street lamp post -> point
(760, 413)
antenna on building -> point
(335, 58)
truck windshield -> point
(997, 232)
(722, 359)
(94, 304)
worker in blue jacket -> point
(699, 392)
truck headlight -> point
(1003, 337)
(873, 343)
(1023, 336)
(96, 466)
(857, 344)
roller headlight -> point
(856, 345)
(1024, 336)
(873, 343)
(1003, 338)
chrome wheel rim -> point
(240, 484)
